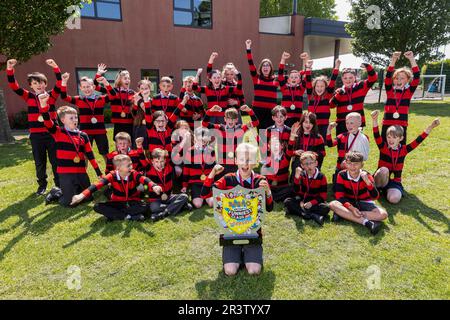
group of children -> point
(165, 141)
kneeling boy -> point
(251, 255)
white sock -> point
(364, 221)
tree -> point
(380, 27)
(26, 27)
(308, 8)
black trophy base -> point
(240, 240)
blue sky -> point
(343, 7)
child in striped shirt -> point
(388, 176)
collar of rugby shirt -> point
(119, 177)
(314, 176)
(354, 179)
(249, 179)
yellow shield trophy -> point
(239, 213)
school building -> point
(154, 38)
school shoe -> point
(188, 207)
(41, 190)
(373, 226)
(53, 196)
(136, 217)
(318, 218)
(336, 218)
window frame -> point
(96, 17)
(191, 11)
(156, 83)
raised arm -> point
(376, 132)
(415, 69)
(372, 76)
(414, 144)
(12, 82)
(282, 79)
(211, 60)
(57, 88)
(251, 64)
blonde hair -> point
(122, 136)
(308, 155)
(120, 158)
(159, 153)
(407, 71)
(87, 79)
(231, 113)
(166, 80)
(62, 111)
(119, 76)
(146, 82)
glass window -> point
(153, 76)
(90, 73)
(188, 72)
(193, 13)
(102, 9)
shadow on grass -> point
(108, 229)
(36, 224)
(412, 206)
(240, 287)
(15, 153)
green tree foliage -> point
(403, 25)
(26, 26)
(308, 8)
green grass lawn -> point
(180, 258)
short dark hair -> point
(36, 76)
(354, 156)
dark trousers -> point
(119, 210)
(140, 132)
(384, 130)
(43, 144)
(292, 206)
(279, 194)
(323, 132)
(340, 128)
(173, 205)
(120, 127)
(72, 184)
(264, 116)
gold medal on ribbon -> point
(76, 159)
(396, 115)
(293, 107)
(230, 154)
(41, 118)
(123, 114)
(94, 120)
(164, 197)
(350, 107)
(203, 177)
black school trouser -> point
(264, 116)
(43, 144)
(292, 206)
(279, 194)
(72, 184)
(121, 127)
(115, 210)
(173, 205)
